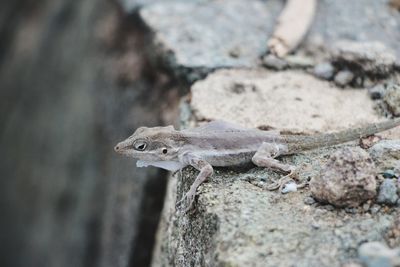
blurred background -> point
(74, 80)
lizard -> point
(220, 144)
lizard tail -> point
(301, 143)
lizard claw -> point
(186, 202)
(284, 180)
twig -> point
(292, 25)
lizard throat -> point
(166, 165)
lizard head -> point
(151, 144)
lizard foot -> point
(186, 202)
(287, 179)
(287, 184)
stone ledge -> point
(211, 35)
(239, 224)
(283, 100)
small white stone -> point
(289, 187)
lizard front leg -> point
(265, 157)
(205, 169)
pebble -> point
(273, 62)
(309, 200)
(377, 92)
(324, 70)
(344, 77)
(387, 192)
(351, 210)
(289, 187)
(377, 254)
(329, 207)
(358, 82)
(366, 207)
(375, 209)
(315, 225)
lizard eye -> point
(140, 145)
(164, 151)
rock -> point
(274, 62)
(392, 98)
(211, 35)
(363, 21)
(131, 6)
(324, 70)
(386, 154)
(344, 77)
(372, 58)
(229, 226)
(282, 100)
(387, 192)
(377, 92)
(377, 254)
(347, 180)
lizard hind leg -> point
(265, 157)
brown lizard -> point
(220, 143)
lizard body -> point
(220, 143)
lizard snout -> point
(119, 148)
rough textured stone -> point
(386, 154)
(206, 43)
(362, 21)
(284, 100)
(387, 192)
(392, 98)
(229, 227)
(211, 35)
(364, 57)
(344, 77)
(348, 179)
(377, 254)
